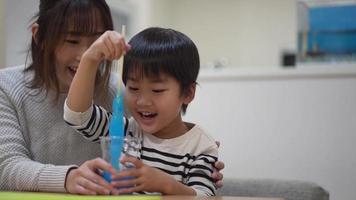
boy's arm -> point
(81, 91)
(148, 179)
(109, 46)
(92, 123)
(175, 187)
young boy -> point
(160, 73)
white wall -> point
(2, 34)
(244, 33)
(284, 124)
(247, 33)
(17, 33)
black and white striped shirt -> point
(188, 158)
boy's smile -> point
(146, 119)
(147, 116)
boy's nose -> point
(143, 100)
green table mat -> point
(60, 196)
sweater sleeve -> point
(17, 170)
(92, 124)
(199, 175)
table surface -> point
(60, 196)
(178, 197)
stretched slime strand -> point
(116, 128)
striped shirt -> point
(189, 158)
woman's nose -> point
(81, 51)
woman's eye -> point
(133, 89)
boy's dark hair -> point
(159, 50)
(55, 18)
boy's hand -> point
(109, 46)
(144, 178)
(86, 180)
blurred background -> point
(277, 85)
(228, 33)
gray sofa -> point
(287, 189)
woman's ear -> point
(189, 94)
(34, 30)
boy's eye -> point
(72, 41)
(159, 90)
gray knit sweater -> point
(36, 146)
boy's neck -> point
(174, 131)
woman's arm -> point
(17, 169)
(19, 173)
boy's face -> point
(156, 103)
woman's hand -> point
(217, 175)
(87, 180)
(146, 178)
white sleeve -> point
(91, 124)
(76, 118)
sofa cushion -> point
(287, 189)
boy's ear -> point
(34, 30)
(189, 94)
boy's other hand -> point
(144, 178)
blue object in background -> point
(333, 18)
(332, 30)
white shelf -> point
(302, 72)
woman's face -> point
(69, 53)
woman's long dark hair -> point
(54, 19)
